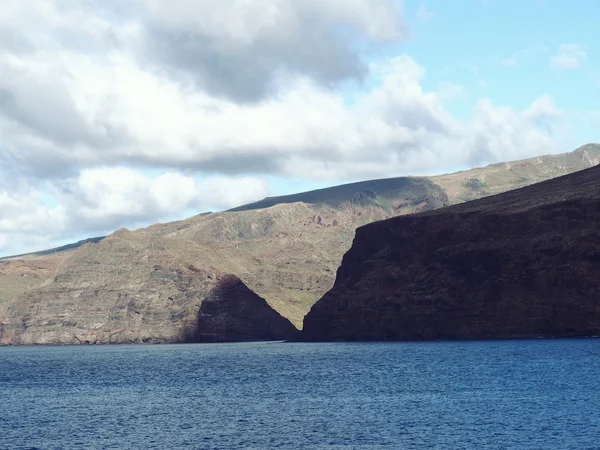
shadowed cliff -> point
(233, 313)
(147, 285)
(520, 264)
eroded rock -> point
(233, 313)
(520, 264)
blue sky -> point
(503, 51)
(173, 108)
(508, 47)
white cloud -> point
(120, 195)
(503, 134)
(235, 49)
(125, 113)
(543, 107)
(306, 131)
(569, 57)
(23, 210)
(100, 200)
(109, 193)
(225, 193)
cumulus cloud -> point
(122, 113)
(503, 134)
(118, 194)
(102, 199)
(23, 210)
(26, 221)
(543, 107)
(121, 194)
(225, 193)
(236, 49)
(569, 57)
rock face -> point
(118, 291)
(147, 285)
(233, 313)
(520, 264)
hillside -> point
(385, 193)
(502, 177)
(459, 187)
(147, 285)
(56, 250)
(521, 264)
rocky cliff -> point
(233, 313)
(520, 264)
(147, 285)
(118, 291)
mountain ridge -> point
(313, 197)
(147, 285)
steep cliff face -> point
(233, 313)
(124, 291)
(147, 285)
(118, 291)
(519, 264)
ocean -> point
(521, 394)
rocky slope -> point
(233, 313)
(49, 253)
(521, 264)
(497, 178)
(148, 285)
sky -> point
(124, 113)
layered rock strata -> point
(147, 285)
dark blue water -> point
(541, 394)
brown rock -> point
(147, 285)
(233, 313)
(520, 264)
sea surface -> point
(530, 394)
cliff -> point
(147, 285)
(233, 313)
(520, 264)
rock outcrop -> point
(233, 313)
(120, 290)
(520, 264)
(147, 285)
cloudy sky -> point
(122, 113)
